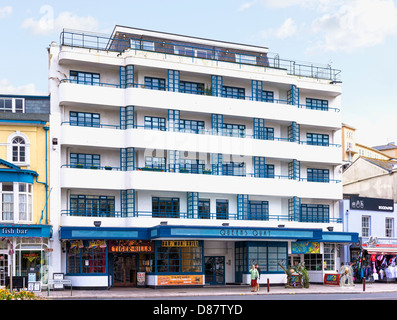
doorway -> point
(3, 269)
(124, 270)
(215, 270)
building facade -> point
(182, 161)
(24, 178)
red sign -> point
(332, 279)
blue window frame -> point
(267, 96)
(88, 78)
(315, 213)
(183, 260)
(317, 175)
(269, 171)
(316, 104)
(92, 206)
(233, 130)
(204, 209)
(222, 209)
(155, 163)
(232, 92)
(155, 123)
(84, 119)
(165, 207)
(192, 165)
(81, 259)
(86, 160)
(191, 87)
(191, 126)
(258, 210)
(155, 83)
(233, 169)
(317, 139)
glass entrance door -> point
(215, 270)
(124, 270)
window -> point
(191, 126)
(258, 210)
(84, 119)
(204, 209)
(18, 150)
(155, 163)
(191, 87)
(15, 105)
(269, 171)
(235, 93)
(222, 209)
(245, 58)
(317, 175)
(82, 259)
(88, 78)
(316, 104)
(365, 226)
(85, 160)
(233, 169)
(389, 232)
(155, 123)
(267, 96)
(329, 257)
(313, 261)
(16, 198)
(316, 139)
(165, 207)
(92, 206)
(193, 52)
(192, 165)
(142, 45)
(314, 213)
(233, 130)
(155, 83)
(180, 259)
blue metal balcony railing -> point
(101, 42)
(197, 216)
(199, 92)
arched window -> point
(18, 149)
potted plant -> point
(108, 168)
(183, 170)
(207, 171)
(79, 165)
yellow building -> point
(24, 189)
(351, 149)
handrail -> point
(102, 42)
(199, 216)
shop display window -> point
(86, 257)
(313, 262)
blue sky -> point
(358, 37)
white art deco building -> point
(182, 161)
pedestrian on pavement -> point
(259, 276)
(254, 278)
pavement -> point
(226, 290)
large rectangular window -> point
(191, 87)
(155, 83)
(232, 92)
(82, 258)
(192, 166)
(267, 255)
(155, 123)
(180, 259)
(313, 261)
(92, 206)
(258, 210)
(88, 78)
(204, 209)
(314, 213)
(316, 139)
(222, 209)
(92, 161)
(191, 126)
(365, 226)
(389, 227)
(233, 169)
(165, 207)
(15, 105)
(329, 257)
(233, 130)
(84, 119)
(316, 104)
(155, 163)
(317, 175)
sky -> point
(358, 37)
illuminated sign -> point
(179, 243)
(130, 246)
(179, 280)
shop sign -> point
(179, 280)
(130, 246)
(305, 247)
(371, 204)
(14, 231)
(179, 243)
(332, 279)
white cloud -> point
(360, 23)
(5, 11)
(28, 89)
(48, 23)
(287, 29)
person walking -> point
(254, 278)
(259, 276)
